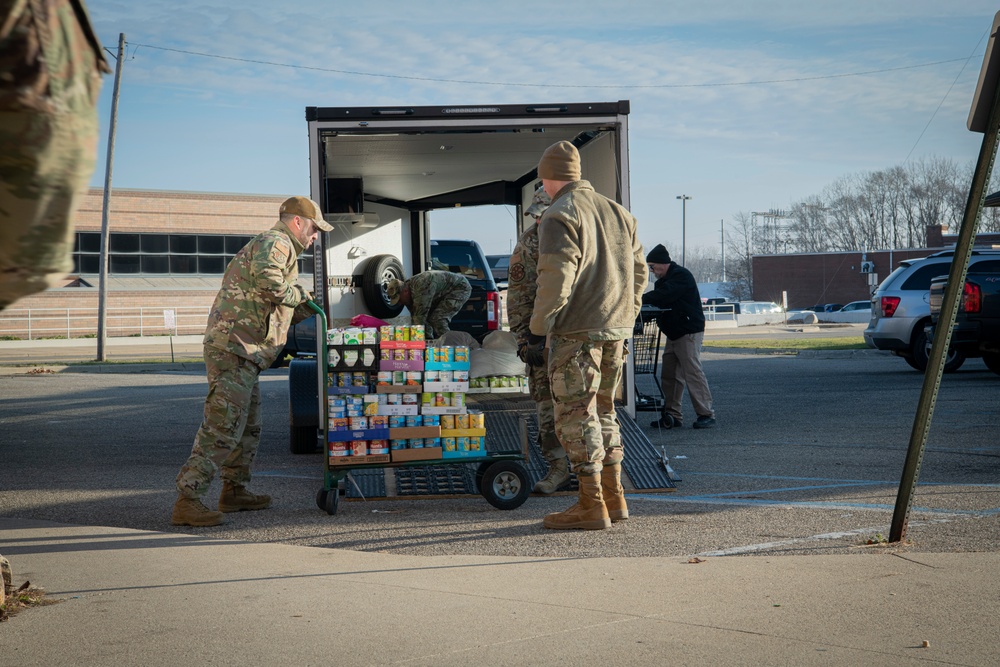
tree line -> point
(878, 210)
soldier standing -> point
(520, 302)
(247, 328)
(50, 77)
(432, 297)
(591, 275)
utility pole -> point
(684, 200)
(102, 299)
(722, 231)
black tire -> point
(921, 348)
(332, 500)
(303, 406)
(992, 361)
(505, 485)
(379, 270)
(321, 498)
(908, 358)
(480, 473)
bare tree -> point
(739, 254)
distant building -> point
(167, 251)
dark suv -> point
(499, 265)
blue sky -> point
(852, 86)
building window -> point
(165, 254)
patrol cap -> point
(305, 208)
(393, 289)
(539, 203)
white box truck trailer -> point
(380, 173)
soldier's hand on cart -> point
(304, 294)
(534, 354)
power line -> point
(553, 84)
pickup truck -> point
(977, 325)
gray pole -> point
(684, 199)
(722, 231)
(102, 298)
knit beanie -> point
(658, 255)
(560, 162)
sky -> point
(742, 106)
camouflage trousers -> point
(230, 430)
(541, 393)
(48, 142)
(584, 376)
(439, 318)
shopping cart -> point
(645, 349)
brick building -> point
(167, 251)
(837, 277)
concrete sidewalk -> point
(132, 597)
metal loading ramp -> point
(643, 467)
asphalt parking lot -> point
(806, 459)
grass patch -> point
(24, 597)
(797, 344)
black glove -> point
(534, 353)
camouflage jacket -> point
(429, 288)
(258, 299)
(521, 285)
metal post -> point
(722, 224)
(943, 328)
(102, 286)
(684, 199)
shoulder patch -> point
(516, 272)
(279, 253)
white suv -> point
(901, 306)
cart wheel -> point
(321, 498)
(505, 485)
(332, 498)
(480, 473)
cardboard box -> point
(401, 365)
(398, 389)
(447, 366)
(461, 433)
(462, 455)
(359, 460)
(409, 432)
(368, 434)
(353, 357)
(446, 410)
(420, 454)
(448, 387)
(403, 345)
(389, 410)
(346, 390)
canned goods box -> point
(390, 409)
(353, 357)
(422, 454)
(366, 434)
(370, 459)
(461, 387)
(398, 389)
(409, 432)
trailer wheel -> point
(505, 485)
(331, 501)
(379, 270)
(303, 406)
(321, 498)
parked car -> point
(977, 323)
(901, 306)
(855, 306)
(499, 265)
(758, 307)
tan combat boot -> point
(191, 512)
(557, 476)
(236, 499)
(589, 513)
(613, 493)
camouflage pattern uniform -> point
(437, 297)
(247, 328)
(50, 76)
(521, 290)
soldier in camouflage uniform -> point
(520, 302)
(591, 275)
(432, 297)
(247, 328)
(50, 76)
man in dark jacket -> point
(683, 323)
